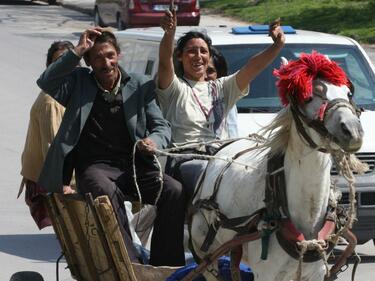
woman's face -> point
(211, 73)
(195, 58)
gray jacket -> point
(75, 88)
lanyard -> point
(204, 109)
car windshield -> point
(263, 93)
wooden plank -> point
(82, 241)
(101, 235)
(86, 252)
(115, 241)
(63, 236)
(90, 228)
(92, 242)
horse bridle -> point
(318, 123)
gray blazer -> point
(75, 88)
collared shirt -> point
(109, 96)
(105, 136)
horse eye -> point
(350, 95)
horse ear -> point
(284, 61)
(327, 57)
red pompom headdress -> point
(297, 76)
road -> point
(26, 33)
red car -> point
(141, 13)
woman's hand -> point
(277, 33)
(169, 21)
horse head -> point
(321, 99)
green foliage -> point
(354, 18)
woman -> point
(45, 118)
(195, 107)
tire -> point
(97, 19)
(26, 276)
(120, 24)
(52, 2)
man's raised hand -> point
(87, 40)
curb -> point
(77, 7)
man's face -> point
(103, 58)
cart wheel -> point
(26, 276)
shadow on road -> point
(41, 247)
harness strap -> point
(318, 124)
(220, 176)
(223, 249)
(241, 225)
(275, 194)
(342, 260)
(288, 236)
(235, 224)
(300, 128)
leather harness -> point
(276, 213)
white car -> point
(140, 49)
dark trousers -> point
(117, 182)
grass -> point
(354, 18)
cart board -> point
(92, 243)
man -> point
(107, 112)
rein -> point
(276, 205)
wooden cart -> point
(92, 243)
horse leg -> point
(235, 260)
(212, 273)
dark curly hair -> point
(57, 46)
(105, 37)
(219, 62)
(181, 43)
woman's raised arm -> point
(166, 69)
(260, 61)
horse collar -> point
(277, 208)
(275, 194)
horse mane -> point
(296, 77)
(277, 132)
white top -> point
(196, 109)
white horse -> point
(317, 91)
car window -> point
(149, 67)
(263, 93)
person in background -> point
(45, 118)
(217, 68)
(109, 112)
